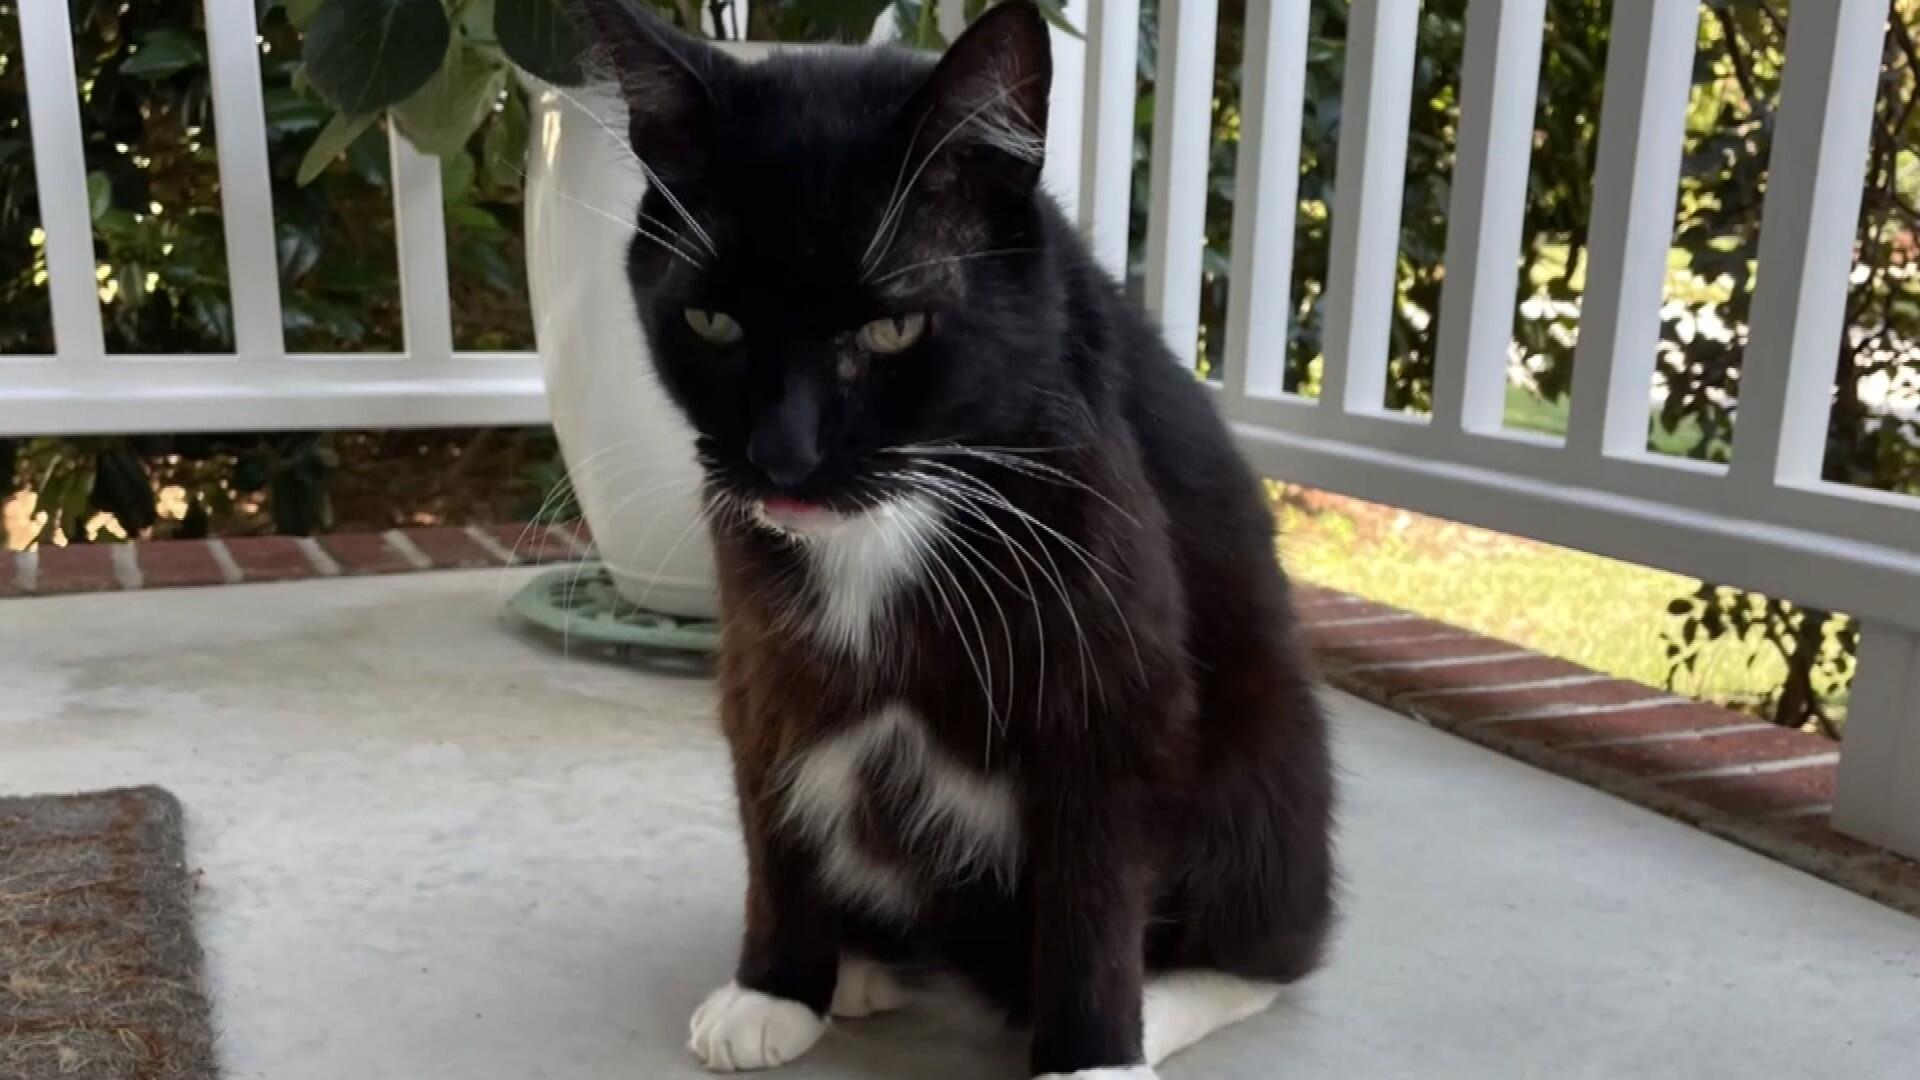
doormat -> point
(99, 969)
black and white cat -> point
(1009, 671)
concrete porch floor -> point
(433, 848)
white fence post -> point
(1636, 188)
(1878, 799)
(1182, 144)
(1066, 110)
(1266, 196)
(420, 223)
(246, 181)
(60, 172)
(1375, 99)
(1499, 81)
(1814, 179)
(1106, 164)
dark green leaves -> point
(331, 142)
(363, 55)
(538, 36)
(162, 53)
(445, 112)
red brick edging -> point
(1764, 787)
(248, 559)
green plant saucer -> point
(578, 609)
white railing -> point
(1767, 522)
(260, 385)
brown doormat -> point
(99, 970)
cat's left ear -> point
(986, 100)
(668, 80)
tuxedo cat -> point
(1009, 672)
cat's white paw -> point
(737, 1028)
(865, 988)
(1123, 1072)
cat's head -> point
(841, 252)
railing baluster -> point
(60, 171)
(1106, 164)
(246, 182)
(1065, 119)
(1375, 101)
(952, 18)
(421, 226)
(1500, 78)
(1635, 189)
(1814, 179)
(1878, 796)
(1266, 194)
(1182, 141)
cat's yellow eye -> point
(714, 327)
(897, 334)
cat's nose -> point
(786, 456)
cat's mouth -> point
(787, 514)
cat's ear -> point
(666, 78)
(987, 98)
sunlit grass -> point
(1610, 616)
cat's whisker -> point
(561, 489)
(969, 512)
(1015, 463)
(1087, 559)
(653, 178)
(668, 487)
(911, 267)
(1052, 574)
(890, 222)
(972, 560)
(677, 250)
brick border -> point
(81, 568)
(1766, 788)
(1763, 787)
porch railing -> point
(1766, 522)
(260, 385)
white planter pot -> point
(627, 448)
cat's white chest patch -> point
(891, 814)
(860, 562)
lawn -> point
(1607, 615)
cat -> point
(1008, 669)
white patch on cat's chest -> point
(955, 822)
(860, 562)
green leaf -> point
(289, 113)
(332, 140)
(540, 37)
(456, 178)
(99, 195)
(445, 113)
(363, 55)
(1053, 12)
(476, 20)
(162, 53)
(300, 12)
(506, 146)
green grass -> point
(1528, 411)
(1610, 616)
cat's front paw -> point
(737, 1028)
(1119, 1072)
(865, 988)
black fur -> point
(1174, 793)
